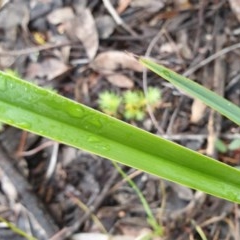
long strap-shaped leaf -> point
(210, 98)
(34, 109)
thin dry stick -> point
(22, 143)
(198, 200)
(30, 50)
(86, 209)
(35, 150)
(53, 161)
(181, 100)
(231, 228)
(119, 184)
(213, 220)
(173, 45)
(117, 18)
(28, 198)
(211, 58)
(214, 121)
(68, 231)
(145, 84)
(236, 214)
(175, 114)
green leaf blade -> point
(45, 113)
(195, 90)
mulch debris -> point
(80, 48)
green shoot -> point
(109, 103)
(17, 230)
(158, 230)
(153, 96)
(221, 146)
(234, 144)
(132, 105)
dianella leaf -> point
(195, 90)
(45, 113)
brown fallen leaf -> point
(5, 61)
(83, 28)
(49, 69)
(60, 15)
(120, 80)
(235, 6)
(108, 62)
(14, 14)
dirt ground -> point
(79, 48)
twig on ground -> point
(174, 115)
(53, 161)
(173, 45)
(145, 84)
(68, 231)
(215, 119)
(30, 50)
(85, 208)
(22, 143)
(213, 220)
(28, 198)
(211, 58)
(236, 220)
(117, 18)
(35, 150)
(198, 200)
(119, 184)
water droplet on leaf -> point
(92, 123)
(11, 85)
(98, 143)
(26, 125)
(75, 111)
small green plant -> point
(220, 146)
(134, 103)
(109, 103)
(223, 147)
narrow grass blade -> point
(210, 98)
(43, 112)
(158, 230)
(17, 230)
